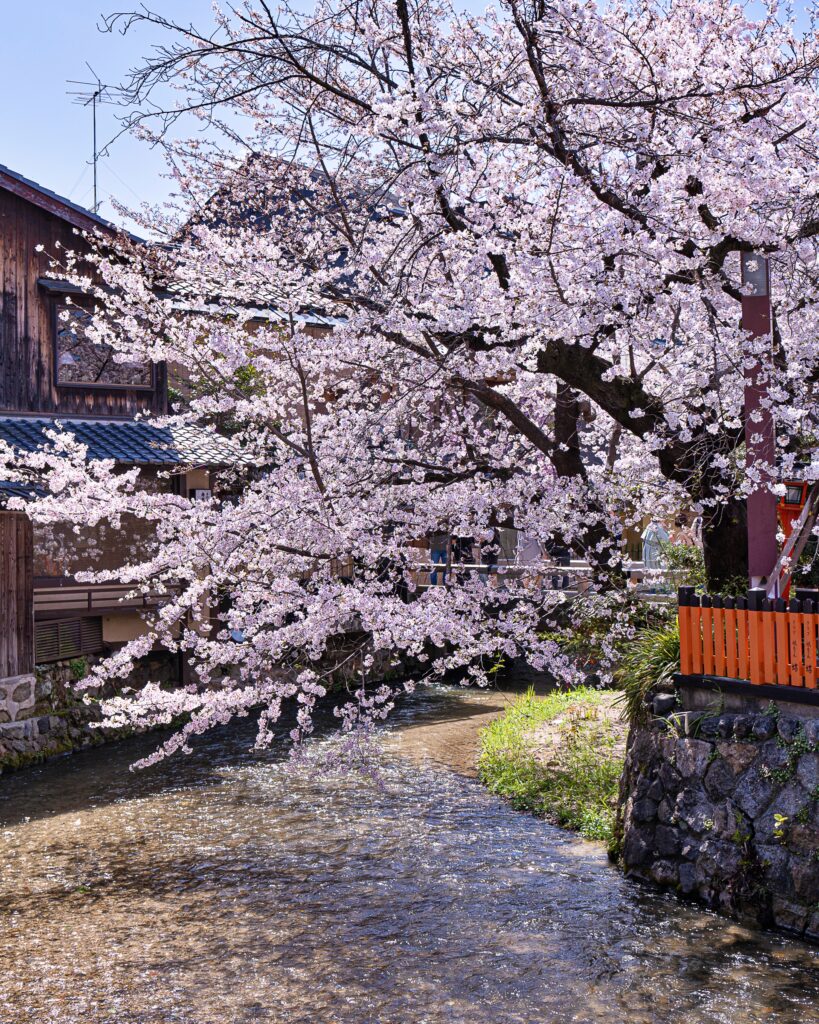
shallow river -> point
(226, 887)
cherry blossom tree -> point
(524, 229)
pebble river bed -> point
(229, 886)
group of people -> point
(448, 550)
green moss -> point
(578, 786)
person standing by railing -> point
(439, 555)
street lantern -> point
(760, 439)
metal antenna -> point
(91, 94)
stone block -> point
(664, 703)
(787, 803)
(694, 811)
(807, 772)
(743, 725)
(738, 756)
(664, 873)
(692, 757)
(708, 727)
(644, 810)
(688, 878)
(667, 841)
(788, 915)
(665, 811)
(774, 756)
(788, 729)
(754, 792)
(719, 779)
(812, 731)
(764, 727)
(725, 726)
(635, 850)
(805, 875)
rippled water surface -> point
(227, 888)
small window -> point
(83, 362)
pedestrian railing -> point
(750, 638)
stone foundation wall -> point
(724, 808)
(41, 716)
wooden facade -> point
(28, 322)
(16, 595)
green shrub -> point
(577, 788)
(652, 658)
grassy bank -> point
(558, 756)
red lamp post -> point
(760, 438)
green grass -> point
(576, 786)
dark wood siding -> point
(16, 595)
(27, 379)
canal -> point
(230, 887)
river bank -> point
(231, 887)
(560, 756)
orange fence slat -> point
(797, 664)
(809, 642)
(755, 667)
(731, 646)
(696, 640)
(720, 660)
(768, 647)
(686, 640)
(782, 660)
(743, 641)
(707, 639)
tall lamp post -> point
(760, 440)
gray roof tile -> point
(131, 442)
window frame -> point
(81, 302)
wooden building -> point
(49, 368)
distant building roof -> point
(39, 195)
(130, 442)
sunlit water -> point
(226, 887)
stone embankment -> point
(41, 716)
(724, 808)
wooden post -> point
(16, 595)
(760, 442)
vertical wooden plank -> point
(707, 636)
(695, 613)
(743, 639)
(718, 619)
(755, 667)
(684, 619)
(768, 644)
(809, 643)
(797, 664)
(782, 659)
(731, 646)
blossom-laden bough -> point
(524, 228)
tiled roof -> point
(131, 442)
(15, 489)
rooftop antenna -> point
(90, 95)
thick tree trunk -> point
(725, 546)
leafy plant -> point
(686, 565)
(78, 667)
(652, 659)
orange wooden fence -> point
(748, 638)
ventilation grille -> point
(69, 638)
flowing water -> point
(226, 887)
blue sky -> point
(42, 134)
(46, 137)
